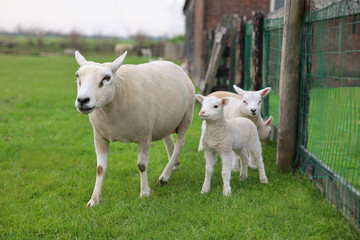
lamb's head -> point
(264, 130)
(212, 107)
(95, 83)
(251, 100)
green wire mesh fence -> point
(272, 43)
(329, 121)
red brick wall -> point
(216, 8)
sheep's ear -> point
(118, 62)
(238, 90)
(268, 122)
(199, 97)
(80, 59)
(264, 92)
(223, 101)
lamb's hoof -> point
(200, 148)
(252, 165)
(227, 192)
(203, 191)
(176, 167)
(92, 203)
(146, 193)
(243, 177)
(264, 180)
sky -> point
(122, 18)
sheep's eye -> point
(107, 78)
(77, 75)
(259, 102)
(244, 101)
(216, 106)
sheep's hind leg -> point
(260, 166)
(183, 126)
(102, 152)
(169, 145)
(143, 160)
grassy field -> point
(47, 163)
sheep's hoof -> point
(161, 182)
(92, 203)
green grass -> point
(47, 163)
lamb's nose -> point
(83, 101)
(253, 110)
(202, 113)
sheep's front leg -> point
(143, 160)
(210, 159)
(227, 160)
(102, 152)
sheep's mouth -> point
(85, 110)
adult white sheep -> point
(134, 103)
(224, 136)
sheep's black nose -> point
(83, 101)
(253, 110)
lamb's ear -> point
(264, 92)
(238, 90)
(223, 101)
(118, 62)
(200, 98)
(80, 59)
(268, 122)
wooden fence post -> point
(256, 49)
(240, 70)
(289, 84)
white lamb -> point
(244, 104)
(134, 103)
(225, 136)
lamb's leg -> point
(143, 160)
(244, 163)
(252, 162)
(102, 152)
(169, 145)
(210, 159)
(235, 166)
(227, 160)
(201, 145)
(260, 165)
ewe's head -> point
(264, 130)
(95, 83)
(212, 107)
(251, 100)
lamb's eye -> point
(216, 106)
(244, 101)
(107, 78)
(77, 75)
(259, 102)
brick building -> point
(204, 15)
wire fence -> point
(272, 44)
(328, 133)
